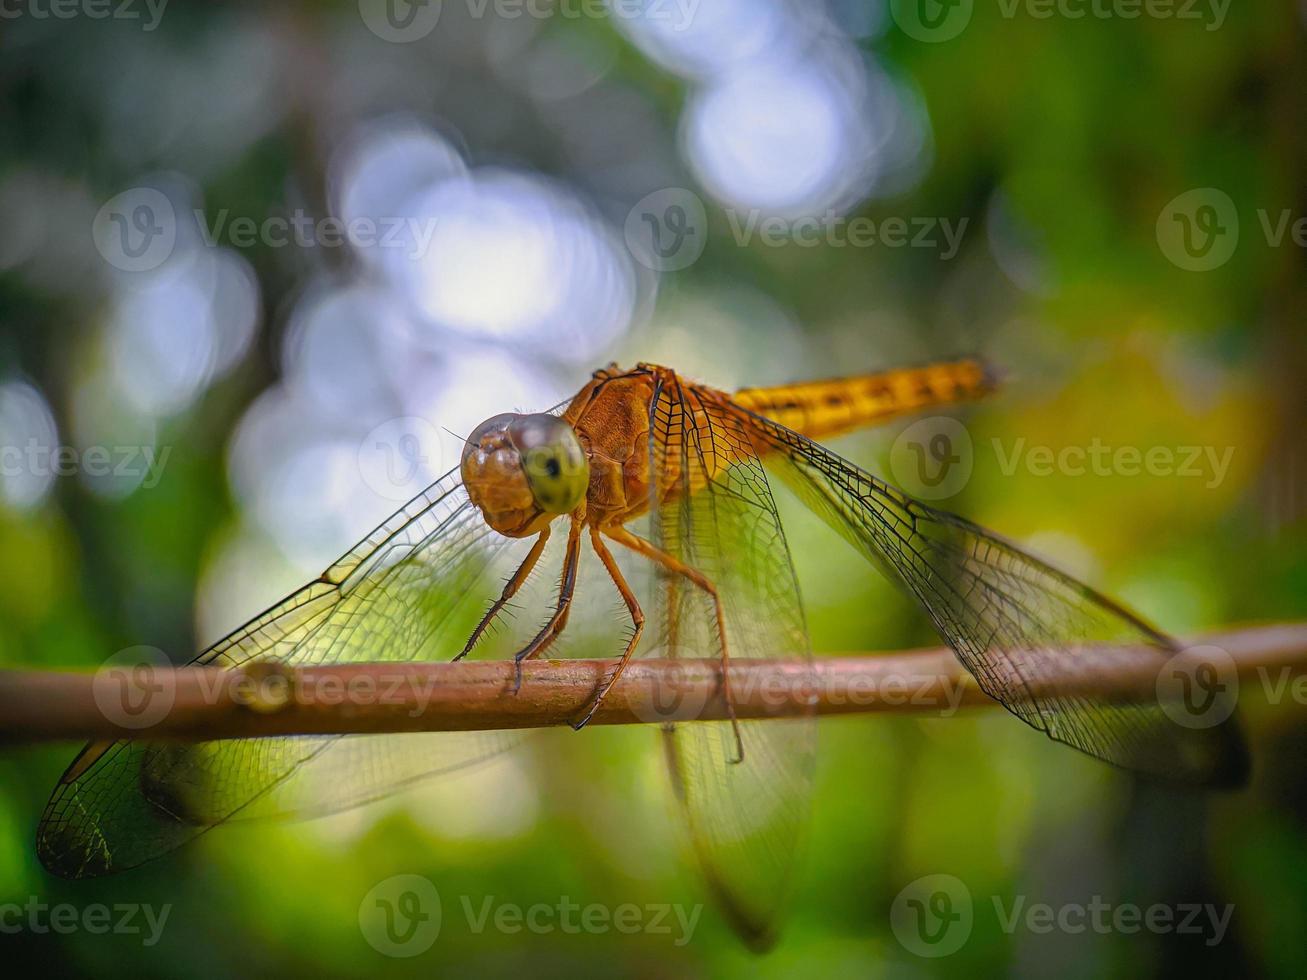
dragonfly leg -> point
(567, 585)
(642, 547)
(637, 618)
(518, 578)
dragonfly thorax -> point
(522, 471)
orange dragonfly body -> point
(692, 466)
(622, 461)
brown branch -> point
(209, 702)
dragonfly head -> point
(522, 471)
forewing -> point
(411, 590)
(1027, 632)
(746, 818)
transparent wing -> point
(1021, 627)
(747, 819)
(412, 589)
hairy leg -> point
(511, 587)
(567, 586)
(642, 547)
(637, 618)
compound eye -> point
(554, 462)
(496, 423)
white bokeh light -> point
(787, 116)
(28, 438)
(384, 166)
(162, 345)
(477, 383)
(788, 138)
(490, 267)
(515, 258)
(345, 348)
(704, 39)
(300, 480)
(315, 480)
(178, 327)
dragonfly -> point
(691, 467)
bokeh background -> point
(751, 191)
